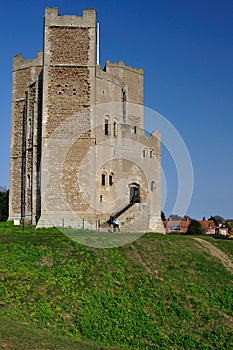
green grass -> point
(159, 292)
(16, 336)
(222, 243)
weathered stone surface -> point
(78, 149)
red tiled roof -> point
(176, 225)
(207, 223)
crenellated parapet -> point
(20, 63)
(109, 65)
(88, 19)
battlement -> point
(20, 63)
(121, 64)
(87, 20)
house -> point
(179, 226)
(223, 229)
(208, 226)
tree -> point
(217, 219)
(214, 220)
(163, 217)
(4, 205)
(175, 217)
(195, 228)
(230, 223)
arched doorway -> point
(134, 193)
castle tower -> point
(77, 136)
(68, 93)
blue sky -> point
(186, 50)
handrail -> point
(120, 212)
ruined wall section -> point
(24, 72)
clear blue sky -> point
(186, 50)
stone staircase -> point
(135, 218)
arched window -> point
(134, 194)
(115, 128)
(101, 198)
(106, 126)
(151, 153)
(110, 179)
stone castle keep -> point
(79, 154)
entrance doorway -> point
(134, 193)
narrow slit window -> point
(29, 128)
(103, 179)
(115, 129)
(101, 198)
(123, 95)
(110, 180)
(144, 153)
(135, 129)
(106, 127)
(151, 153)
(29, 181)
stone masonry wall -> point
(29, 148)
(68, 45)
(132, 77)
(24, 72)
(70, 179)
(69, 59)
(68, 93)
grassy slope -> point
(160, 292)
(14, 336)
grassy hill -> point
(159, 292)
